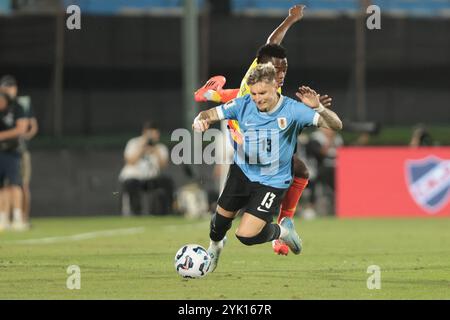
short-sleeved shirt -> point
(269, 138)
(147, 167)
(8, 119)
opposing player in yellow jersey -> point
(213, 90)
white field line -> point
(197, 225)
(80, 236)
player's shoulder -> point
(293, 104)
(237, 102)
(245, 98)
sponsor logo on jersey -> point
(428, 182)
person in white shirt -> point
(145, 157)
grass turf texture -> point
(413, 254)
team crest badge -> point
(282, 123)
(428, 182)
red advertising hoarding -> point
(393, 182)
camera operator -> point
(145, 157)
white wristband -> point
(197, 125)
(320, 108)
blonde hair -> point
(263, 72)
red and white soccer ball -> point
(192, 261)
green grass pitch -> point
(133, 259)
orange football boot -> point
(206, 93)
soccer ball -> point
(192, 261)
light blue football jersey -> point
(269, 138)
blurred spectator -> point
(145, 157)
(8, 84)
(321, 153)
(365, 131)
(420, 137)
(13, 124)
(363, 139)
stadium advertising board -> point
(393, 182)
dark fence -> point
(85, 182)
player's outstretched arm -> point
(295, 14)
(205, 119)
(328, 119)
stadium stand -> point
(268, 7)
(409, 7)
(109, 7)
(425, 8)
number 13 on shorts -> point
(268, 200)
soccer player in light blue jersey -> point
(262, 170)
(213, 90)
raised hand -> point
(325, 100)
(200, 125)
(308, 96)
(296, 12)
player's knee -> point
(248, 241)
(300, 169)
(250, 238)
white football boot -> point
(214, 250)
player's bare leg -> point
(291, 199)
(250, 226)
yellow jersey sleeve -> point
(244, 88)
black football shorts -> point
(257, 199)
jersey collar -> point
(280, 102)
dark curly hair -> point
(269, 51)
